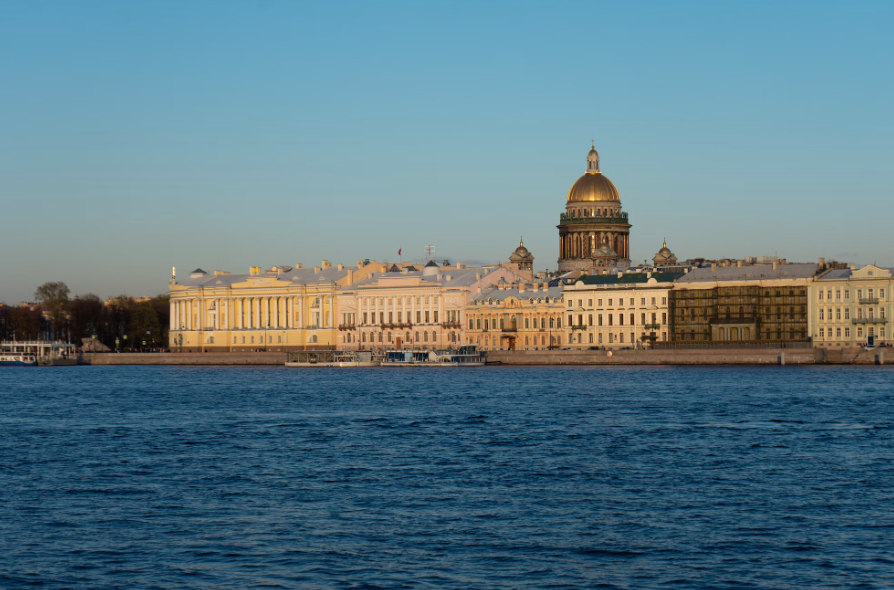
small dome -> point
(593, 187)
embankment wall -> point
(798, 356)
(179, 358)
(802, 356)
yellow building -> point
(850, 306)
(516, 316)
(626, 309)
(283, 308)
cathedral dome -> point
(593, 187)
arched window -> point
(425, 336)
(363, 337)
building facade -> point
(619, 310)
(743, 303)
(851, 307)
(410, 308)
(516, 316)
(283, 308)
(593, 232)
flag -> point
(399, 250)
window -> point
(570, 303)
(486, 323)
(252, 339)
(822, 315)
(870, 293)
(600, 338)
(436, 316)
(591, 338)
(590, 319)
(664, 318)
(526, 327)
(589, 303)
(580, 302)
(847, 332)
(838, 332)
(642, 301)
(881, 293)
(820, 294)
(822, 333)
(599, 302)
(881, 332)
(837, 314)
(620, 319)
(609, 302)
(622, 338)
(859, 332)
(859, 293)
(847, 313)
(847, 293)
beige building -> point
(283, 308)
(405, 307)
(628, 309)
(516, 316)
(850, 306)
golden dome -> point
(593, 187)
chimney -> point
(461, 265)
(254, 270)
(382, 268)
(822, 263)
(325, 264)
(449, 277)
(478, 278)
(775, 264)
(713, 267)
(299, 265)
(404, 271)
(740, 263)
(340, 266)
(317, 269)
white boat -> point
(17, 359)
(332, 358)
(465, 356)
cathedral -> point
(593, 232)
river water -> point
(547, 477)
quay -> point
(720, 356)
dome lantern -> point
(593, 160)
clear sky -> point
(137, 136)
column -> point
(331, 311)
(255, 312)
(289, 312)
(440, 308)
(376, 310)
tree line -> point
(57, 316)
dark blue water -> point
(162, 477)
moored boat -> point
(17, 359)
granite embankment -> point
(720, 356)
(184, 358)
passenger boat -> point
(17, 359)
(465, 356)
(333, 358)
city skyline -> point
(145, 137)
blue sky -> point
(137, 136)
